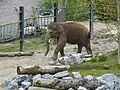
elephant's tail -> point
(89, 35)
(48, 42)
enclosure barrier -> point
(9, 32)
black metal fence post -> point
(21, 23)
(64, 12)
(55, 11)
(91, 18)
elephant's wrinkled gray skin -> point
(69, 32)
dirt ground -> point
(8, 64)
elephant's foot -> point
(63, 55)
(54, 57)
(78, 52)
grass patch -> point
(98, 68)
(35, 44)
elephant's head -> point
(53, 31)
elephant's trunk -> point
(47, 39)
(48, 46)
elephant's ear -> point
(51, 26)
(60, 28)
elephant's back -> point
(75, 31)
(75, 28)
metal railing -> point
(11, 31)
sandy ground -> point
(8, 64)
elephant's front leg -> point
(60, 46)
(58, 49)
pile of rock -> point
(63, 81)
(79, 58)
(73, 59)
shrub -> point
(79, 10)
(99, 57)
(106, 10)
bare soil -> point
(8, 64)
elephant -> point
(68, 32)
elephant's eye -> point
(55, 32)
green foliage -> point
(98, 57)
(106, 10)
(48, 3)
(78, 10)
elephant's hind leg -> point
(62, 52)
(88, 48)
(79, 48)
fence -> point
(10, 31)
(33, 26)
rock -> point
(106, 67)
(76, 75)
(89, 77)
(15, 82)
(70, 89)
(25, 84)
(39, 88)
(66, 78)
(111, 81)
(73, 59)
(8, 80)
(88, 59)
(21, 88)
(103, 87)
(13, 85)
(22, 78)
(52, 63)
(36, 76)
(92, 84)
(64, 60)
(76, 58)
(47, 76)
(61, 74)
(58, 64)
(81, 88)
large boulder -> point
(111, 82)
